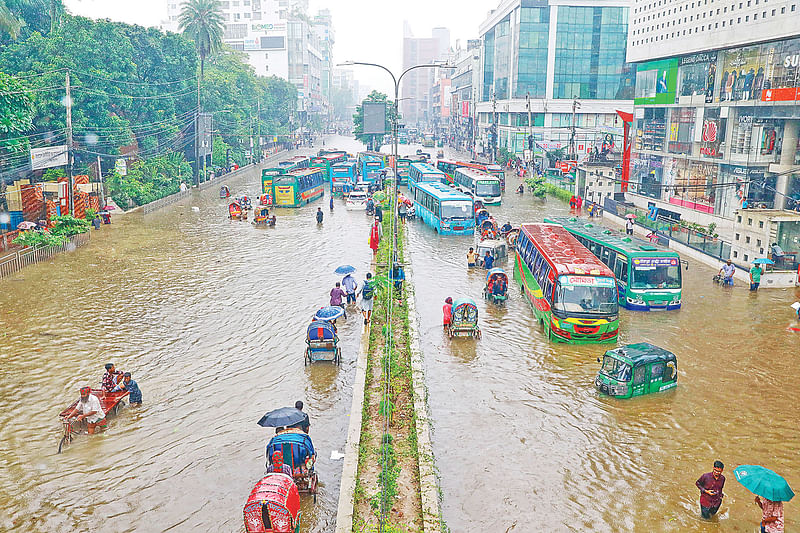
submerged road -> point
(209, 315)
(524, 443)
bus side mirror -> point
(685, 264)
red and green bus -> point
(573, 294)
(298, 187)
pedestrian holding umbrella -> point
(771, 491)
(344, 270)
(763, 261)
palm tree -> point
(37, 15)
(202, 21)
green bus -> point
(293, 163)
(573, 294)
(298, 187)
(648, 275)
(327, 160)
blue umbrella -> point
(331, 312)
(345, 269)
(282, 417)
(763, 482)
(763, 261)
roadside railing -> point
(162, 202)
(672, 230)
(16, 261)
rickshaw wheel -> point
(306, 358)
(338, 356)
(61, 444)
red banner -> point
(465, 109)
(786, 94)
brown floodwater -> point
(209, 315)
(524, 443)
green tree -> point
(358, 118)
(203, 22)
(23, 17)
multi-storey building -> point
(279, 39)
(716, 116)
(568, 58)
(463, 90)
(415, 91)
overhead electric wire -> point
(94, 92)
(193, 80)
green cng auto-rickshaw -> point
(635, 370)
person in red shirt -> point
(710, 485)
(447, 312)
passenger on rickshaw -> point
(301, 446)
(278, 465)
(111, 377)
(505, 228)
(499, 287)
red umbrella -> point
(630, 216)
(109, 208)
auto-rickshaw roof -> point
(641, 353)
(462, 301)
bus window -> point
(621, 268)
(538, 264)
(638, 375)
(612, 257)
(656, 371)
(604, 256)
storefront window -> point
(696, 75)
(742, 74)
(782, 60)
(647, 175)
(681, 130)
(789, 237)
(713, 137)
(651, 130)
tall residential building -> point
(569, 58)
(716, 116)
(279, 39)
(415, 104)
(463, 92)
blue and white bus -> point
(423, 172)
(343, 178)
(480, 185)
(447, 211)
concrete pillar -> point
(788, 152)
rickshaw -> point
(323, 343)
(298, 453)
(224, 192)
(235, 211)
(496, 248)
(273, 506)
(496, 288)
(261, 215)
(635, 370)
(111, 402)
(464, 321)
(481, 215)
(511, 236)
(488, 229)
(265, 199)
(245, 201)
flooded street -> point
(535, 448)
(209, 315)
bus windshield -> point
(456, 209)
(616, 369)
(487, 188)
(656, 273)
(588, 295)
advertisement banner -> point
(52, 156)
(656, 82)
(697, 74)
(782, 71)
(121, 166)
(465, 109)
(742, 74)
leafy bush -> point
(68, 226)
(536, 184)
(503, 156)
(38, 238)
(558, 192)
(90, 215)
(149, 180)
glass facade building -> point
(717, 131)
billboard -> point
(52, 156)
(374, 118)
(656, 82)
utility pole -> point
(494, 123)
(530, 130)
(572, 154)
(258, 118)
(70, 154)
(197, 139)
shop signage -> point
(706, 57)
(51, 156)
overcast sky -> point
(373, 33)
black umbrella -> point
(285, 416)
